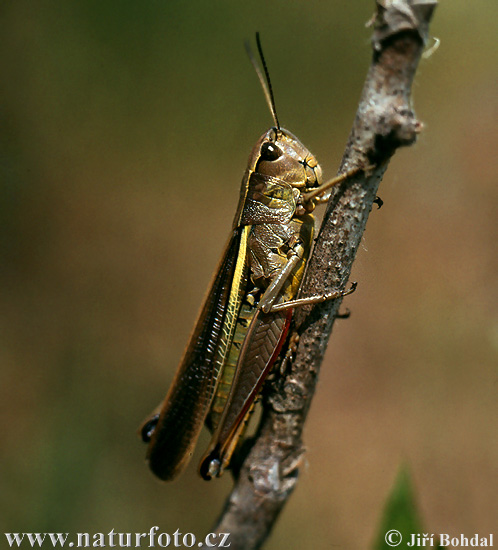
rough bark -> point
(384, 121)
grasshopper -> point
(245, 319)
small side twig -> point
(384, 121)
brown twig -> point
(384, 121)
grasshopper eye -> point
(270, 151)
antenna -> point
(264, 80)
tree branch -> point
(384, 121)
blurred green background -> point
(125, 131)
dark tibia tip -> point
(210, 467)
(148, 428)
(379, 202)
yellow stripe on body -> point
(246, 315)
(232, 333)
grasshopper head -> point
(279, 154)
(281, 170)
